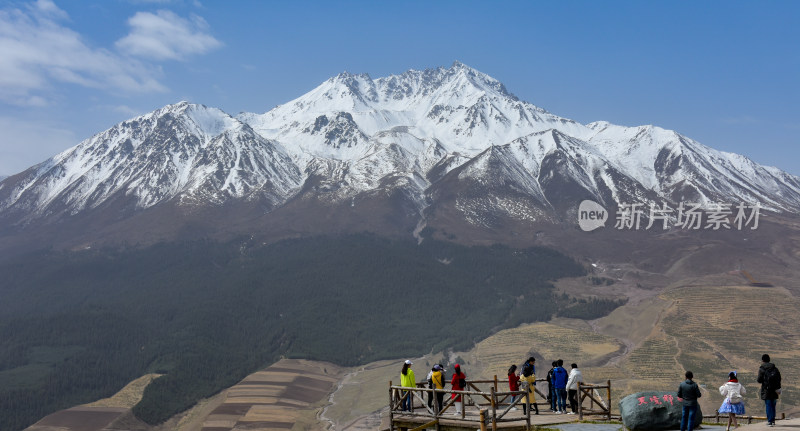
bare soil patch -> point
(79, 419)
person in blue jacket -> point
(560, 377)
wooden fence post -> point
(528, 414)
(580, 402)
(494, 411)
(391, 407)
(608, 392)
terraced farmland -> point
(719, 329)
(283, 396)
(733, 319)
(512, 346)
(654, 364)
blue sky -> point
(724, 73)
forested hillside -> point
(77, 326)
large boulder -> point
(654, 411)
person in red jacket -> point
(513, 383)
(459, 382)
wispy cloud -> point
(126, 110)
(167, 36)
(38, 51)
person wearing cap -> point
(734, 401)
(407, 380)
(459, 383)
(437, 377)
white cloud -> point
(166, 36)
(126, 110)
(38, 52)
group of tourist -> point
(436, 380)
(768, 375)
(562, 386)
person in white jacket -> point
(575, 376)
(733, 391)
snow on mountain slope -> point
(683, 169)
(464, 109)
(200, 153)
(418, 132)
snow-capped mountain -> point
(424, 139)
(197, 154)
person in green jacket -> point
(407, 380)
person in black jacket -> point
(690, 392)
(552, 387)
(770, 379)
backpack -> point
(734, 397)
(462, 383)
(772, 378)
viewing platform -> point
(486, 407)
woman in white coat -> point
(575, 376)
(733, 391)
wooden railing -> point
(491, 404)
(749, 419)
(598, 405)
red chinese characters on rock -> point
(667, 398)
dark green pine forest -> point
(78, 326)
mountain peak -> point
(353, 133)
(458, 66)
(347, 75)
(479, 79)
